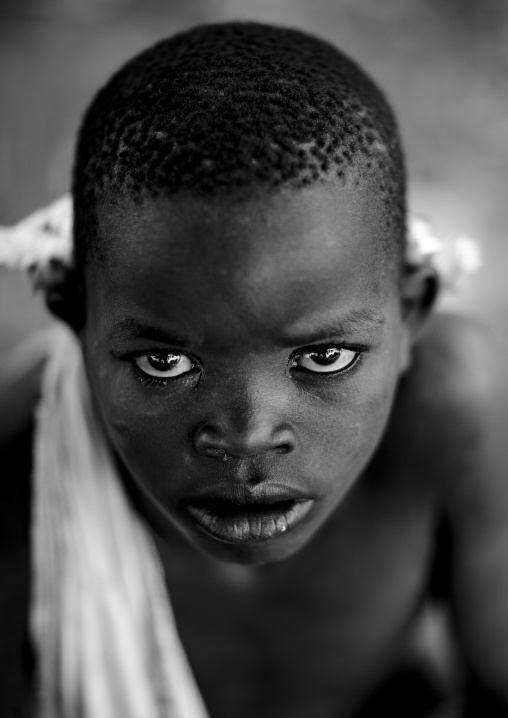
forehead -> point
(266, 257)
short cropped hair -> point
(234, 105)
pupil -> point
(163, 362)
(326, 357)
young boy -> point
(318, 458)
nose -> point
(244, 431)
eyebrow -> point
(130, 328)
(358, 321)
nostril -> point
(212, 451)
(284, 448)
(215, 453)
(209, 443)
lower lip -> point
(261, 524)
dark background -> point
(443, 64)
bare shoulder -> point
(467, 360)
(461, 381)
(456, 392)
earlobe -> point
(405, 353)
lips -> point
(240, 515)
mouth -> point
(248, 518)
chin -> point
(263, 553)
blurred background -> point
(442, 63)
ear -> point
(63, 291)
(419, 290)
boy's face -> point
(244, 357)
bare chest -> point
(311, 636)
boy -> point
(317, 457)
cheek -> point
(348, 428)
(354, 429)
(144, 433)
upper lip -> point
(269, 493)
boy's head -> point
(239, 219)
(226, 108)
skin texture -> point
(243, 290)
(404, 456)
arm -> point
(18, 396)
(16, 661)
(476, 509)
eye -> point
(325, 360)
(164, 365)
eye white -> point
(326, 360)
(164, 366)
